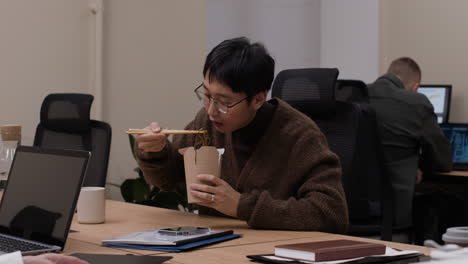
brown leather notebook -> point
(329, 250)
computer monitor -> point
(439, 96)
(457, 134)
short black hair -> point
(242, 66)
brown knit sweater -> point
(281, 164)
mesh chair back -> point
(351, 91)
(308, 90)
(341, 132)
(66, 124)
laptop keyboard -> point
(8, 244)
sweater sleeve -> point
(317, 204)
(436, 151)
(165, 169)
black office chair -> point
(352, 91)
(373, 204)
(356, 92)
(66, 124)
(351, 133)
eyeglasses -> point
(206, 99)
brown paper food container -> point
(204, 160)
(10, 132)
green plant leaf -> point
(181, 189)
(135, 190)
(169, 200)
(138, 191)
(154, 191)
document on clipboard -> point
(168, 236)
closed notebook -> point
(329, 250)
(153, 238)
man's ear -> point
(414, 87)
(259, 99)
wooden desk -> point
(123, 218)
(237, 254)
(76, 246)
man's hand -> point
(153, 142)
(51, 258)
(216, 193)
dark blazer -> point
(411, 138)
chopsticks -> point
(136, 131)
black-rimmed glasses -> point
(206, 99)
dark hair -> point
(406, 69)
(242, 66)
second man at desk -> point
(413, 141)
(277, 171)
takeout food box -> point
(205, 160)
(10, 133)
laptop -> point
(458, 137)
(39, 199)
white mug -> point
(456, 235)
(91, 205)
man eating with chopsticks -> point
(277, 170)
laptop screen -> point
(41, 193)
(458, 137)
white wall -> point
(43, 49)
(435, 34)
(303, 33)
(349, 38)
(153, 59)
(290, 29)
(225, 19)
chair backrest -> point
(308, 90)
(371, 195)
(354, 91)
(66, 124)
(352, 134)
(311, 91)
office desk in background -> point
(453, 173)
(123, 218)
(455, 178)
